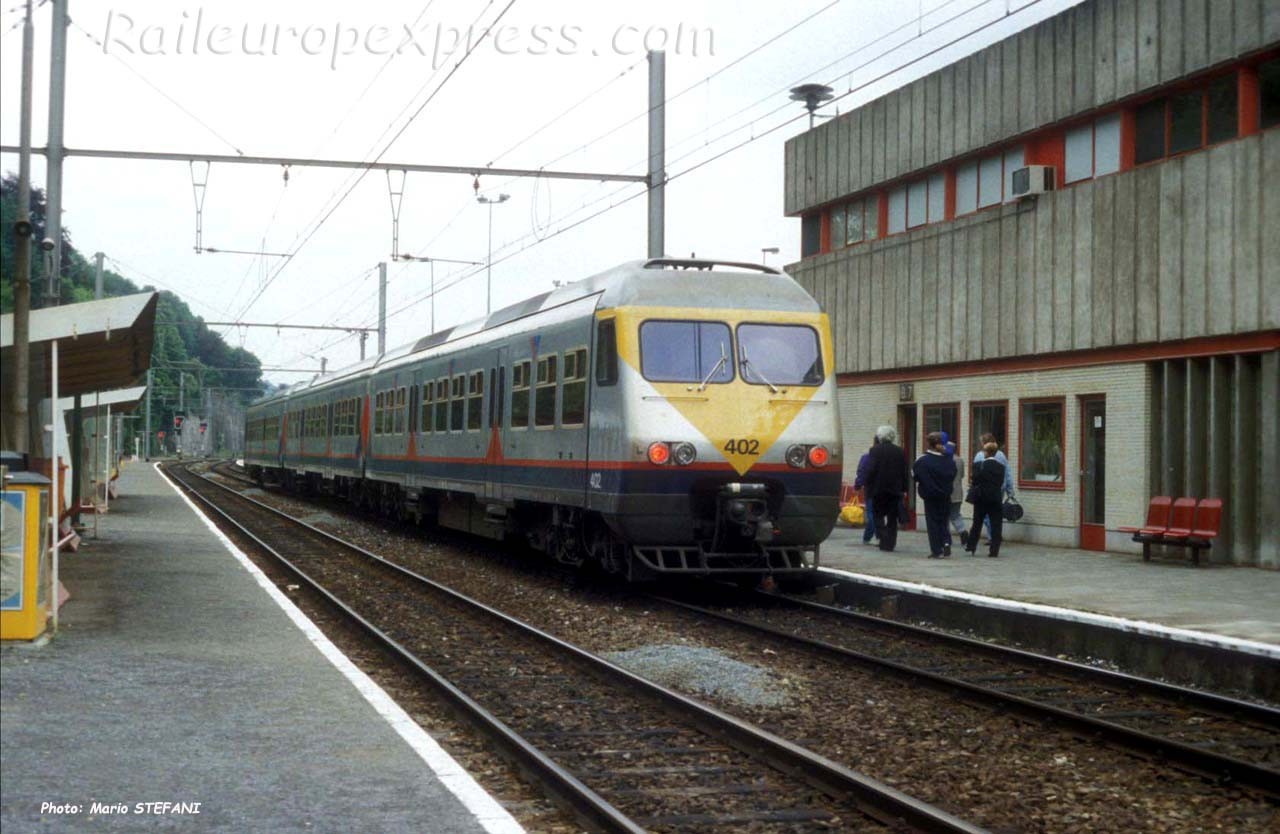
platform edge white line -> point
(1145, 627)
(479, 802)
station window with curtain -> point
(861, 221)
(1092, 149)
(897, 221)
(1187, 120)
(1042, 443)
(944, 417)
(988, 418)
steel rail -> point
(585, 803)
(1199, 699)
(1206, 762)
(873, 797)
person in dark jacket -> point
(935, 474)
(988, 485)
(860, 482)
(886, 482)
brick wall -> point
(1052, 516)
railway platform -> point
(181, 675)
(1161, 618)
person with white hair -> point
(886, 483)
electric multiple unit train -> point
(664, 416)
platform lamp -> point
(813, 96)
(765, 251)
(432, 261)
(488, 270)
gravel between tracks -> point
(999, 771)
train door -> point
(495, 468)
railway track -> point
(1225, 739)
(621, 753)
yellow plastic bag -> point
(852, 514)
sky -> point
(524, 84)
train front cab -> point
(724, 436)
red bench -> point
(1185, 522)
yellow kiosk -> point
(24, 555)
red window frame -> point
(1200, 86)
(924, 409)
(974, 434)
(1059, 485)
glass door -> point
(1093, 473)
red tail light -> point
(659, 453)
(818, 456)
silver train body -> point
(661, 417)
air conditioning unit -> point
(1032, 180)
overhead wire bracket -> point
(199, 179)
(396, 192)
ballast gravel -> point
(705, 671)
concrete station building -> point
(1119, 334)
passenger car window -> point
(686, 351)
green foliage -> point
(182, 341)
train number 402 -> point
(744, 446)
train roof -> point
(658, 282)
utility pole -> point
(182, 402)
(382, 309)
(488, 269)
(147, 432)
(17, 410)
(55, 150)
(97, 275)
(657, 152)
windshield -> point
(779, 354)
(686, 351)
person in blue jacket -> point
(935, 475)
(860, 482)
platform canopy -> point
(102, 345)
(119, 401)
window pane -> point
(1269, 93)
(1184, 121)
(456, 404)
(837, 227)
(989, 181)
(1079, 154)
(544, 396)
(782, 354)
(1106, 145)
(942, 418)
(442, 406)
(573, 404)
(937, 197)
(897, 210)
(810, 235)
(1221, 122)
(520, 407)
(1148, 128)
(606, 353)
(1040, 442)
(986, 419)
(475, 400)
(853, 223)
(1013, 160)
(917, 203)
(685, 351)
(967, 188)
(871, 218)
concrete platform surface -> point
(177, 677)
(1233, 602)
